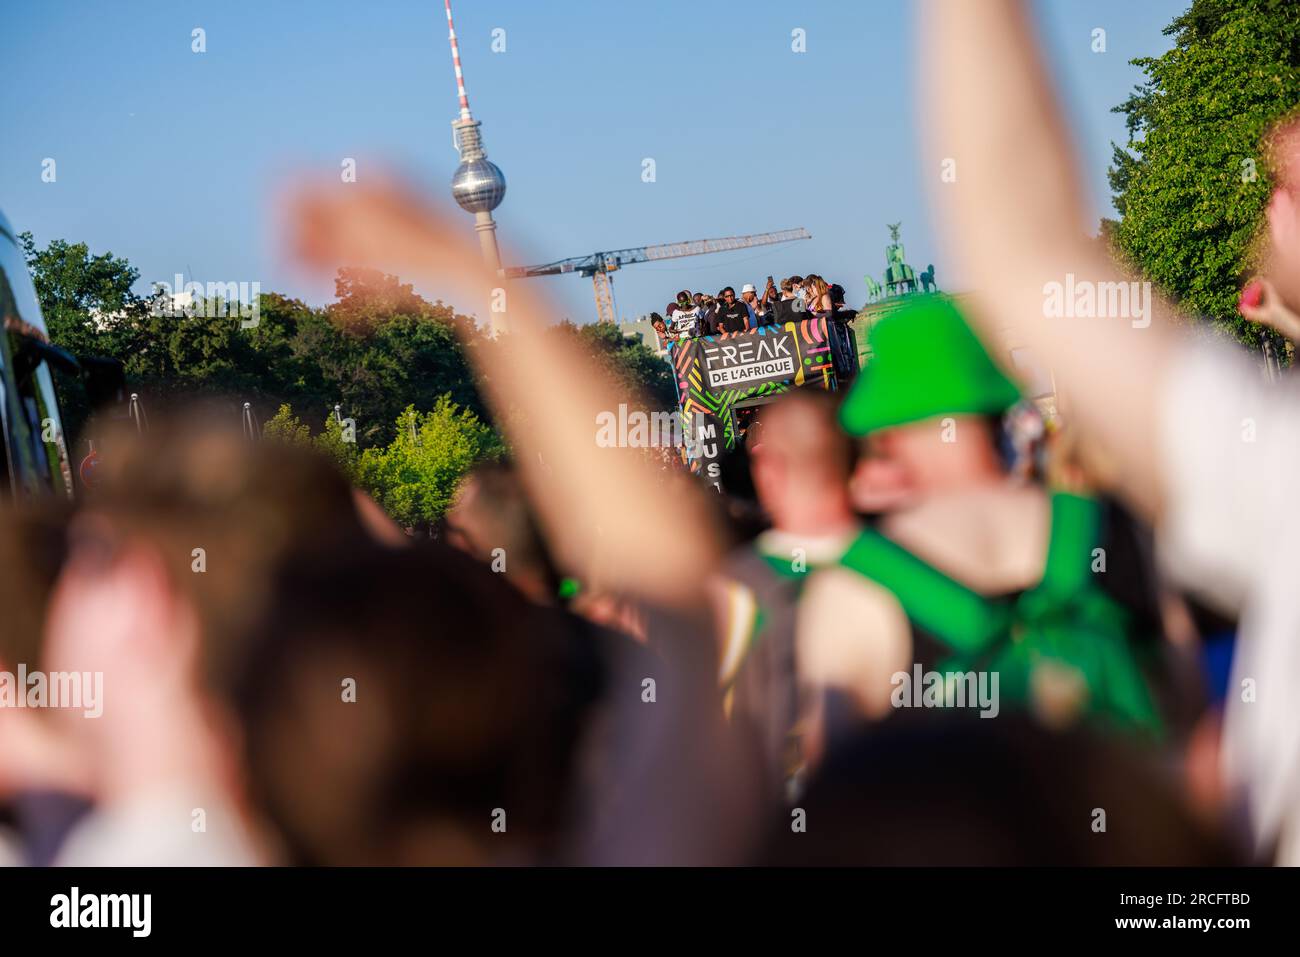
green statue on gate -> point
(899, 277)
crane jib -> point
(601, 261)
(599, 265)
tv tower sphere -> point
(478, 186)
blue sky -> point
(171, 158)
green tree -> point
(366, 298)
(376, 351)
(632, 363)
(414, 477)
(382, 346)
(282, 370)
(333, 442)
(87, 301)
(179, 354)
(284, 426)
(643, 377)
(337, 442)
(1191, 184)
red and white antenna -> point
(478, 184)
(455, 59)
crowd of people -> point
(698, 314)
(891, 643)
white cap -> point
(748, 287)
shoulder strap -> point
(784, 567)
(1076, 524)
(1081, 621)
(953, 613)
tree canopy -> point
(1191, 184)
(391, 361)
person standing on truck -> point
(684, 316)
(759, 312)
(709, 307)
(788, 307)
(817, 295)
(733, 317)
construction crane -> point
(599, 265)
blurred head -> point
(1019, 783)
(684, 298)
(801, 462)
(901, 465)
(490, 520)
(220, 513)
(929, 404)
(657, 322)
(170, 562)
(409, 707)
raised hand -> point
(1261, 303)
(594, 503)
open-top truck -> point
(721, 381)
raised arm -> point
(602, 509)
(1016, 219)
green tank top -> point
(1067, 619)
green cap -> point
(925, 362)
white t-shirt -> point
(1230, 448)
(685, 322)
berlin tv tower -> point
(478, 185)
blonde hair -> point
(820, 288)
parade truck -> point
(721, 382)
(34, 456)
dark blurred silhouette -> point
(925, 791)
(468, 710)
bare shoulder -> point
(994, 539)
(851, 634)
